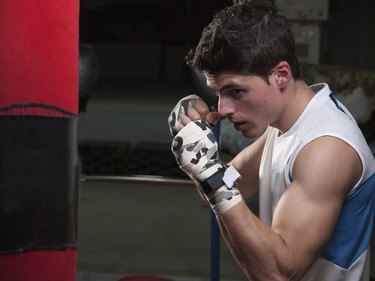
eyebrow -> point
(228, 86)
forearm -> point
(261, 253)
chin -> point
(250, 134)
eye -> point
(237, 93)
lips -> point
(239, 126)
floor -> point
(135, 228)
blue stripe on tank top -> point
(335, 102)
(352, 233)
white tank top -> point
(346, 256)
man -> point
(310, 163)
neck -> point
(297, 96)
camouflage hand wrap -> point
(196, 151)
(180, 109)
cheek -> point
(256, 106)
(259, 113)
(267, 102)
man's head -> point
(248, 38)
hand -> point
(188, 109)
(196, 151)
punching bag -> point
(38, 151)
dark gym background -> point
(132, 220)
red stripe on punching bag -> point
(39, 266)
(39, 53)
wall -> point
(349, 34)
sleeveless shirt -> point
(346, 256)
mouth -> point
(239, 126)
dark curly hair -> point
(250, 37)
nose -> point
(225, 106)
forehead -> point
(224, 80)
(215, 80)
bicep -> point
(306, 215)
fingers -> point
(198, 109)
(213, 117)
(194, 109)
(190, 108)
(184, 120)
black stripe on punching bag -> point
(38, 183)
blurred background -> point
(138, 214)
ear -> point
(283, 74)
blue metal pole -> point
(215, 249)
(215, 232)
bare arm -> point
(304, 218)
(247, 162)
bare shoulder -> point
(328, 161)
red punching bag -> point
(38, 152)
